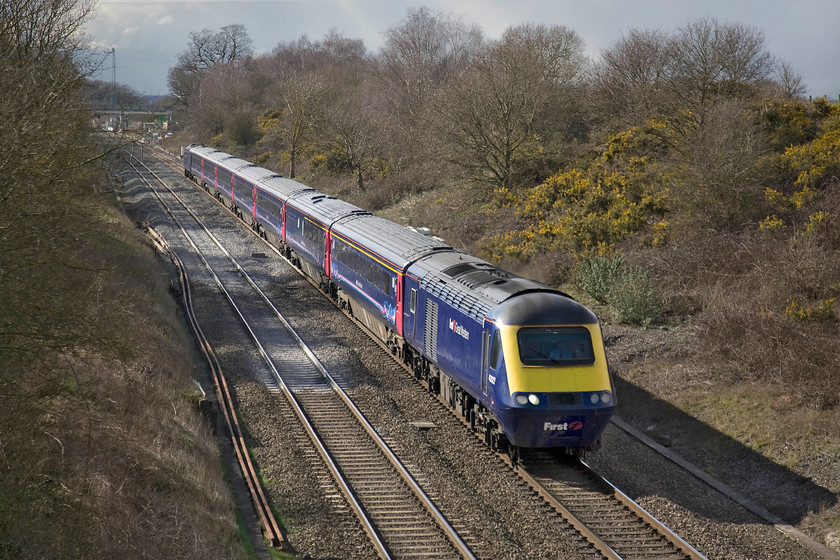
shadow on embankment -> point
(785, 493)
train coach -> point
(523, 363)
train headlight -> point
(533, 399)
(606, 397)
(594, 398)
(521, 399)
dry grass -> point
(103, 455)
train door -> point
(400, 304)
(254, 204)
(412, 312)
(283, 222)
(485, 358)
(327, 252)
(491, 356)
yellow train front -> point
(550, 386)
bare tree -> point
(206, 49)
(420, 56)
(302, 95)
(228, 104)
(790, 81)
(296, 104)
(493, 114)
(351, 127)
(304, 55)
(710, 60)
(725, 170)
(631, 77)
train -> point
(522, 363)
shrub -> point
(261, 159)
(627, 290)
(618, 197)
(771, 223)
(823, 311)
(596, 276)
(815, 161)
(634, 298)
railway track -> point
(400, 520)
(272, 532)
(617, 526)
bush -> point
(627, 290)
(622, 195)
(596, 276)
(634, 298)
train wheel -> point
(499, 443)
(514, 454)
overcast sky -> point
(148, 35)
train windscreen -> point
(555, 346)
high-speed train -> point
(523, 363)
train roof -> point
(233, 163)
(398, 245)
(326, 209)
(255, 173)
(543, 308)
(282, 187)
(201, 149)
(470, 284)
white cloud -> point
(166, 20)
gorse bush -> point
(621, 195)
(822, 311)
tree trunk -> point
(292, 159)
(360, 179)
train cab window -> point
(555, 346)
(495, 351)
(413, 302)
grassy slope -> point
(103, 453)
